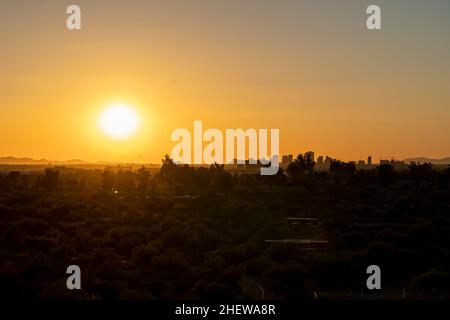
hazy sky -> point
(309, 68)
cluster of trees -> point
(193, 232)
(126, 180)
(186, 176)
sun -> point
(119, 122)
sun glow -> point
(119, 122)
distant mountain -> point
(14, 160)
(432, 161)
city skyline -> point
(284, 159)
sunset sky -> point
(310, 68)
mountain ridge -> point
(27, 160)
(445, 160)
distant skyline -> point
(9, 160)
(309, 68)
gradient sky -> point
(309, 68)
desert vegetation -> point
(184, 232)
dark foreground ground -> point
(185, 233)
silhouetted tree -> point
(290, 278)
(167, 173)
(143, 177)
(444, 178)
(12, 178)
(432, 280)
(342, 168)
(222, 180)
(125, 180)
(277, 179)
(302, 164)
(50, 181)
(419, 172)
(108, 179)
(386, 174)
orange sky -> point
(309, 68)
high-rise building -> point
(320, 160)
(369, 160)
(287, 159)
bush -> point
(289, 278)
(143, 255)
(355, 240)
(432, 280)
